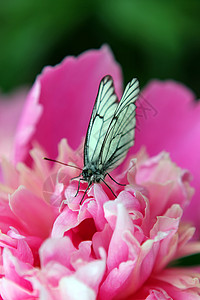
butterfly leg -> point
(122, 184)
(84, 194)
(78, 186)
(109, 188)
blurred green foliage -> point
(186, 261)
(150, 39)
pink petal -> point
(102, 239)
(115, 284)
(73, 289)
(96, 207)
(7, 217)
(118, 249)
(92, 273)
(70, 218)
(159, 290)
(65, 221)
(10, 111)
(23, 252)
(165, 233)
(57, 250)
(157, 294)
(181, 278)
(10, 290)
(165, 187)
(10, 176)
(14, 271)
(31, 114)
(172, 123)
(82, 255)
(66, 93)
(36, 215)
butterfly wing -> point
(102, 114)
(120, 134)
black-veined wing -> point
(102, 114)
(120, 134)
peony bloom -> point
(107, 248)
(53, 248)
(170, 120)
(167, 115)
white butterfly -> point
(110, 133)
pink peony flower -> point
(167, 115)
(169, 119)
(53, 248)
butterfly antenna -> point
(62, 163)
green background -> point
(150, 39)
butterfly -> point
(110, 132)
